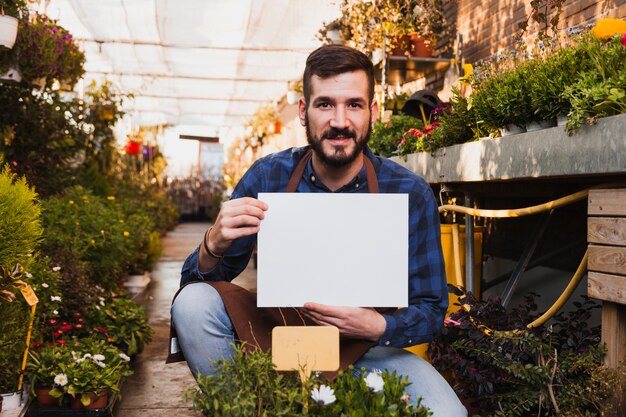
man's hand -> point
(356, 322)
(237, 218)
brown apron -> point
(253, 325)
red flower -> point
(61, 342)
(66, 327)
(52, 321)
(37, 345)
(58, 333)
(101, 330)
(624, 40)
(78, 326)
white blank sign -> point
(335, 249)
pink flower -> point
(453, 322)
(624, 40)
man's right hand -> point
(237, 218)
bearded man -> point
(209, 313)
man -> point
(338, 111)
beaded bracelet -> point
(206, 246)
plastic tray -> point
(36, 410)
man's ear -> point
(302, 111)
(374, 110)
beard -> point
(338, 157)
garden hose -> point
(525, 211)
(571, 286)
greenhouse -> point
(312, 208)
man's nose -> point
(340, 119)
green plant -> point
(504, 98)
(387, 136)
(20, 219)
(90, 367)
(599, 90)
(46, 50)
(547, 371)
(457, 124)
(123, 323)
(368, 25)
(247, 385)
(13, 8)
(43, 365)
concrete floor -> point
(157, 389)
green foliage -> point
(248, 385)
(504, 98)
(457, 124)
(124, 322)
(90, 229)
(530, 372)
(20, 219)
(599, 90)
(387, 136)
(13, 7)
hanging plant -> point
(47, 50)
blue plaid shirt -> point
(428, 298)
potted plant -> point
(247, 385)
(46, 51)
(44, 372)
(123, 323)
(10, 10)
(387, 137)
(93, 371)
(503, 368)
(368, 26)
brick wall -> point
(489, 26)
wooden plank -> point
(607, 287)
(610, 259)
(614, 335)
(608, 202)
(607, 230)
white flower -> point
(374, 382)
(101, 298)
(55, 298)
(29, 275)
(56, 312)
(102, 303)
(324, 395)
(98, 357)
(45, 285)
(100, 364)
(405, 398)
(56, 268)
(61, 379)
(125, 357)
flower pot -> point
(511, 129)
(44, 398)
(8, 31)
(402, 46)
(561, 120)
(11, 400)
(419, 46)
(13, 74)
(97, 400)
(533, 126)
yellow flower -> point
(468, 69)
(71, 202)
(111, 198)
(126, 233)
(606, 28)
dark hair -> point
(329, 60)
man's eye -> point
(355, 105)
(324, 105)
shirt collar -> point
(357, 183)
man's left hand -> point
(357, 322)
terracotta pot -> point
(419, 46)
(403, 46)
(97, 401)
(44, 398)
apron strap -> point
(296, 176)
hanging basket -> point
(8, 31)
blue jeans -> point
(205, 334)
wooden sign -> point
(305, 349)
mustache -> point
(333, 132)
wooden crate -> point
(606, 232)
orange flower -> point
(606, 28)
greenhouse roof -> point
(195, 62)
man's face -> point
(338, 117)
